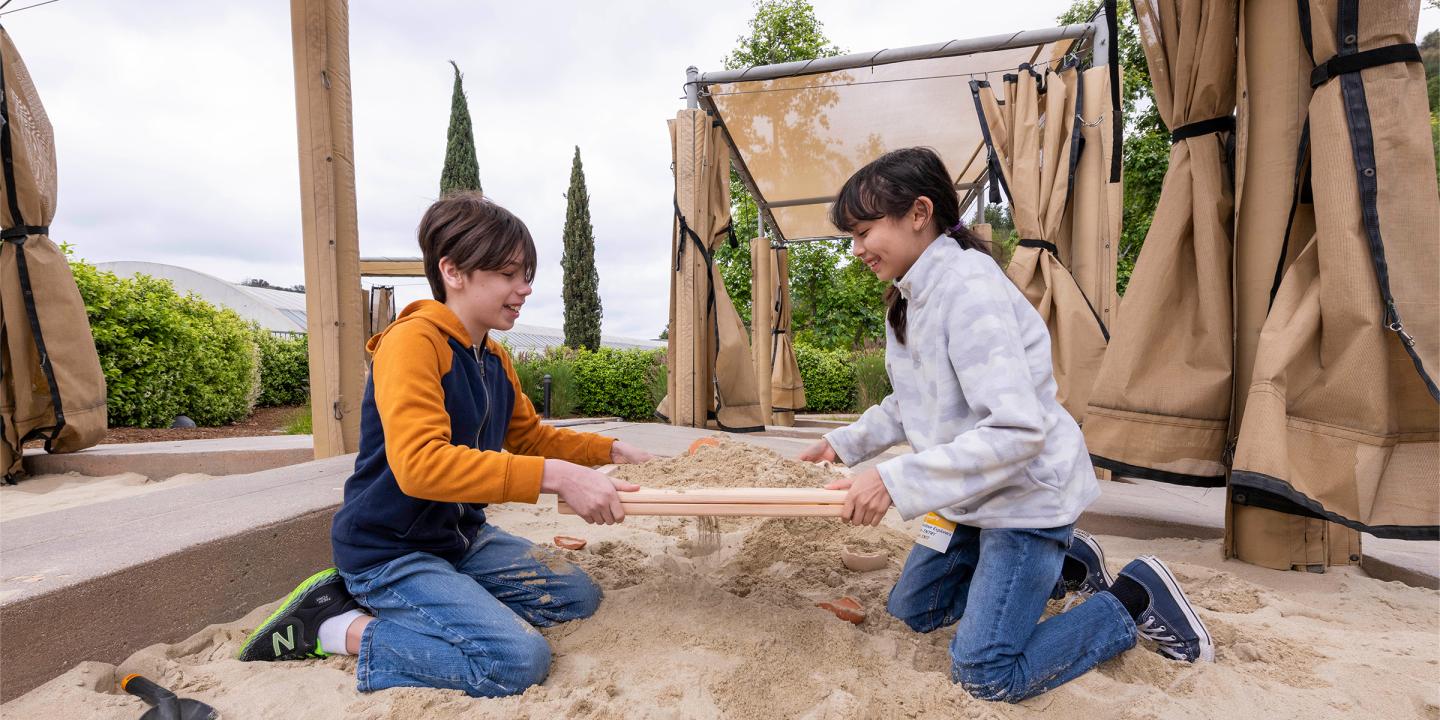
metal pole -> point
(1027, 38)
(692, 90)
(545, 403)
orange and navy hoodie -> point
(444, 429)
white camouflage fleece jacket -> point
(974, 396)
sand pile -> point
(734, 633)
(729, 463)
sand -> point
(47, 493)
(731, 631)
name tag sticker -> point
(935, 533)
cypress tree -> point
(582, 280)
(461, 171)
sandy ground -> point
(705, 625)
(47, 493)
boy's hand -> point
(820, 452)
(591, 494)
(623, 452)
(867, 500)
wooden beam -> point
(391, 267)
(736, 496)
(722, 509)
(336, 320)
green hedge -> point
(165, 355)
(559, 364)
(284, 369)
(829, 378)
(620, 382)
(872, 382)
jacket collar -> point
(927, 269)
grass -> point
(301, 423)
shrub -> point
(872, 383)
(828, 376)
(559, 363)
(284, 369)
(618, 382)
(165, 355)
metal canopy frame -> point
(696, 96)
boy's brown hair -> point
(476, 234)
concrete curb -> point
(161, 460)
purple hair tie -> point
(958, 226)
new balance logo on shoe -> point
(288, 640)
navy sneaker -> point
(292, 632)
(1085, 550)
(1170, 620)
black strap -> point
(1204, 127)
(1117, 127)
(992, 161)
(1355, 62)
(685, 232)
(1077, 137)
(22, 267)
(1042, 244)
(24, 231)
(1362, 145)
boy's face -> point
(889, 246)
(490, 299)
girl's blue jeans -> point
(468, 626)
(996, 584)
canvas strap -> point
(1203, 127)
(1355, 62)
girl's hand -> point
(622, 453)
(867, 500)
(820, 452)
(591, 494)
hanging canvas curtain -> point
(1093, 222)
(710, 369)
(787, 389)
(1341, 419)
(51, 385)
(1033, 137)
(1274, 219)
(1160, 406)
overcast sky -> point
(176, 134)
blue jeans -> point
(996, 584)
(468, 626)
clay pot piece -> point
(569, 543)
(862, 561)
(846, 608)
(702, 442)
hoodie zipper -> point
(484, 418)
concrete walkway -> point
(100, 581)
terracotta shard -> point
(569, 543)
(846, 608)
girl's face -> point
(889, 246)
(486, 300)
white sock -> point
(332, 632)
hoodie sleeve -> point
(528, 436)
(984, 345)
(876, 431)
(407, 370)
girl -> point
(999, 465)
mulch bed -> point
(264, 421)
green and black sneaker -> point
(292, 632)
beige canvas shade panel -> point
(787, 389)
(51, 385)
(1034, 140)
(1341, 418)
(1094, 218)
(1274, 219)
(801, 137)
(1161, 403)
(710, 372)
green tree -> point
(1430, 54)
(582, 280)
(1146, 147)
(461, 171)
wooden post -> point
(762, 317)
(335, 317)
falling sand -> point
(735, 634)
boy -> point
(452, 600)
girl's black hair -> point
(888, 187)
